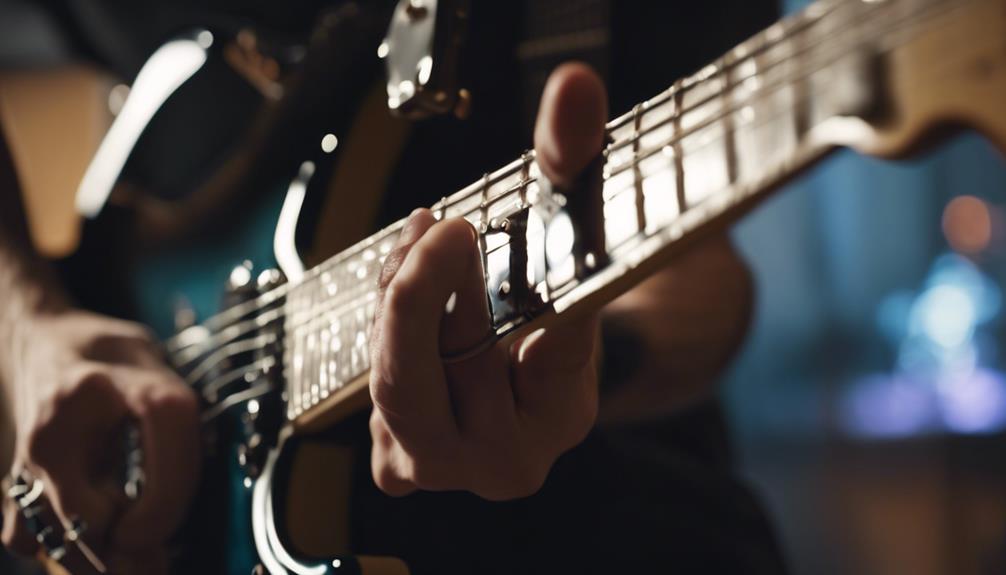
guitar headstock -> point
(949, 72)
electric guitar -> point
(289, 356)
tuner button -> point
(241, 276)
(269, 278)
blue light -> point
(946, 314)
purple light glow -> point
(973, 403)
(885, 407)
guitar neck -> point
(678, 166)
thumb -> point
(569, 132)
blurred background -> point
(869, 404)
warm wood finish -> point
(953, 73)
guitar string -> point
(238, 311)
(760, 94)
(319, 318)
(793, 26)
(316, 395)
(329, 313)
(345, 308)
(757, 95)
(271, 297)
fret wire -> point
(677, 92)
(791, 25)
(348, 345)
(808, 70)
(679, 156)
(323, 312)
(637, 175)
(316, 356)
(730, 142)
(477, 187)
(801, 91)
(767, 120)
(484, 227)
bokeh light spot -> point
(967, 224)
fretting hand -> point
(493, 424)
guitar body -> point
(253, 466)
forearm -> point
(667, 341)
(27, 287)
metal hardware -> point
(421, 52)
(163, 73)
(578, 230)
(241, 277)
(56, 541)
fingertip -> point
(417, 224)
(570, 128)
(461, 231)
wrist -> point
(29, 301)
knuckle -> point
(41, 441)
(385, 477)
(528, 483)
(431, 475)
(170, 401)
(379, 432)
(382, 390)
(85, 382)
(520, 478)
(82, 386)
